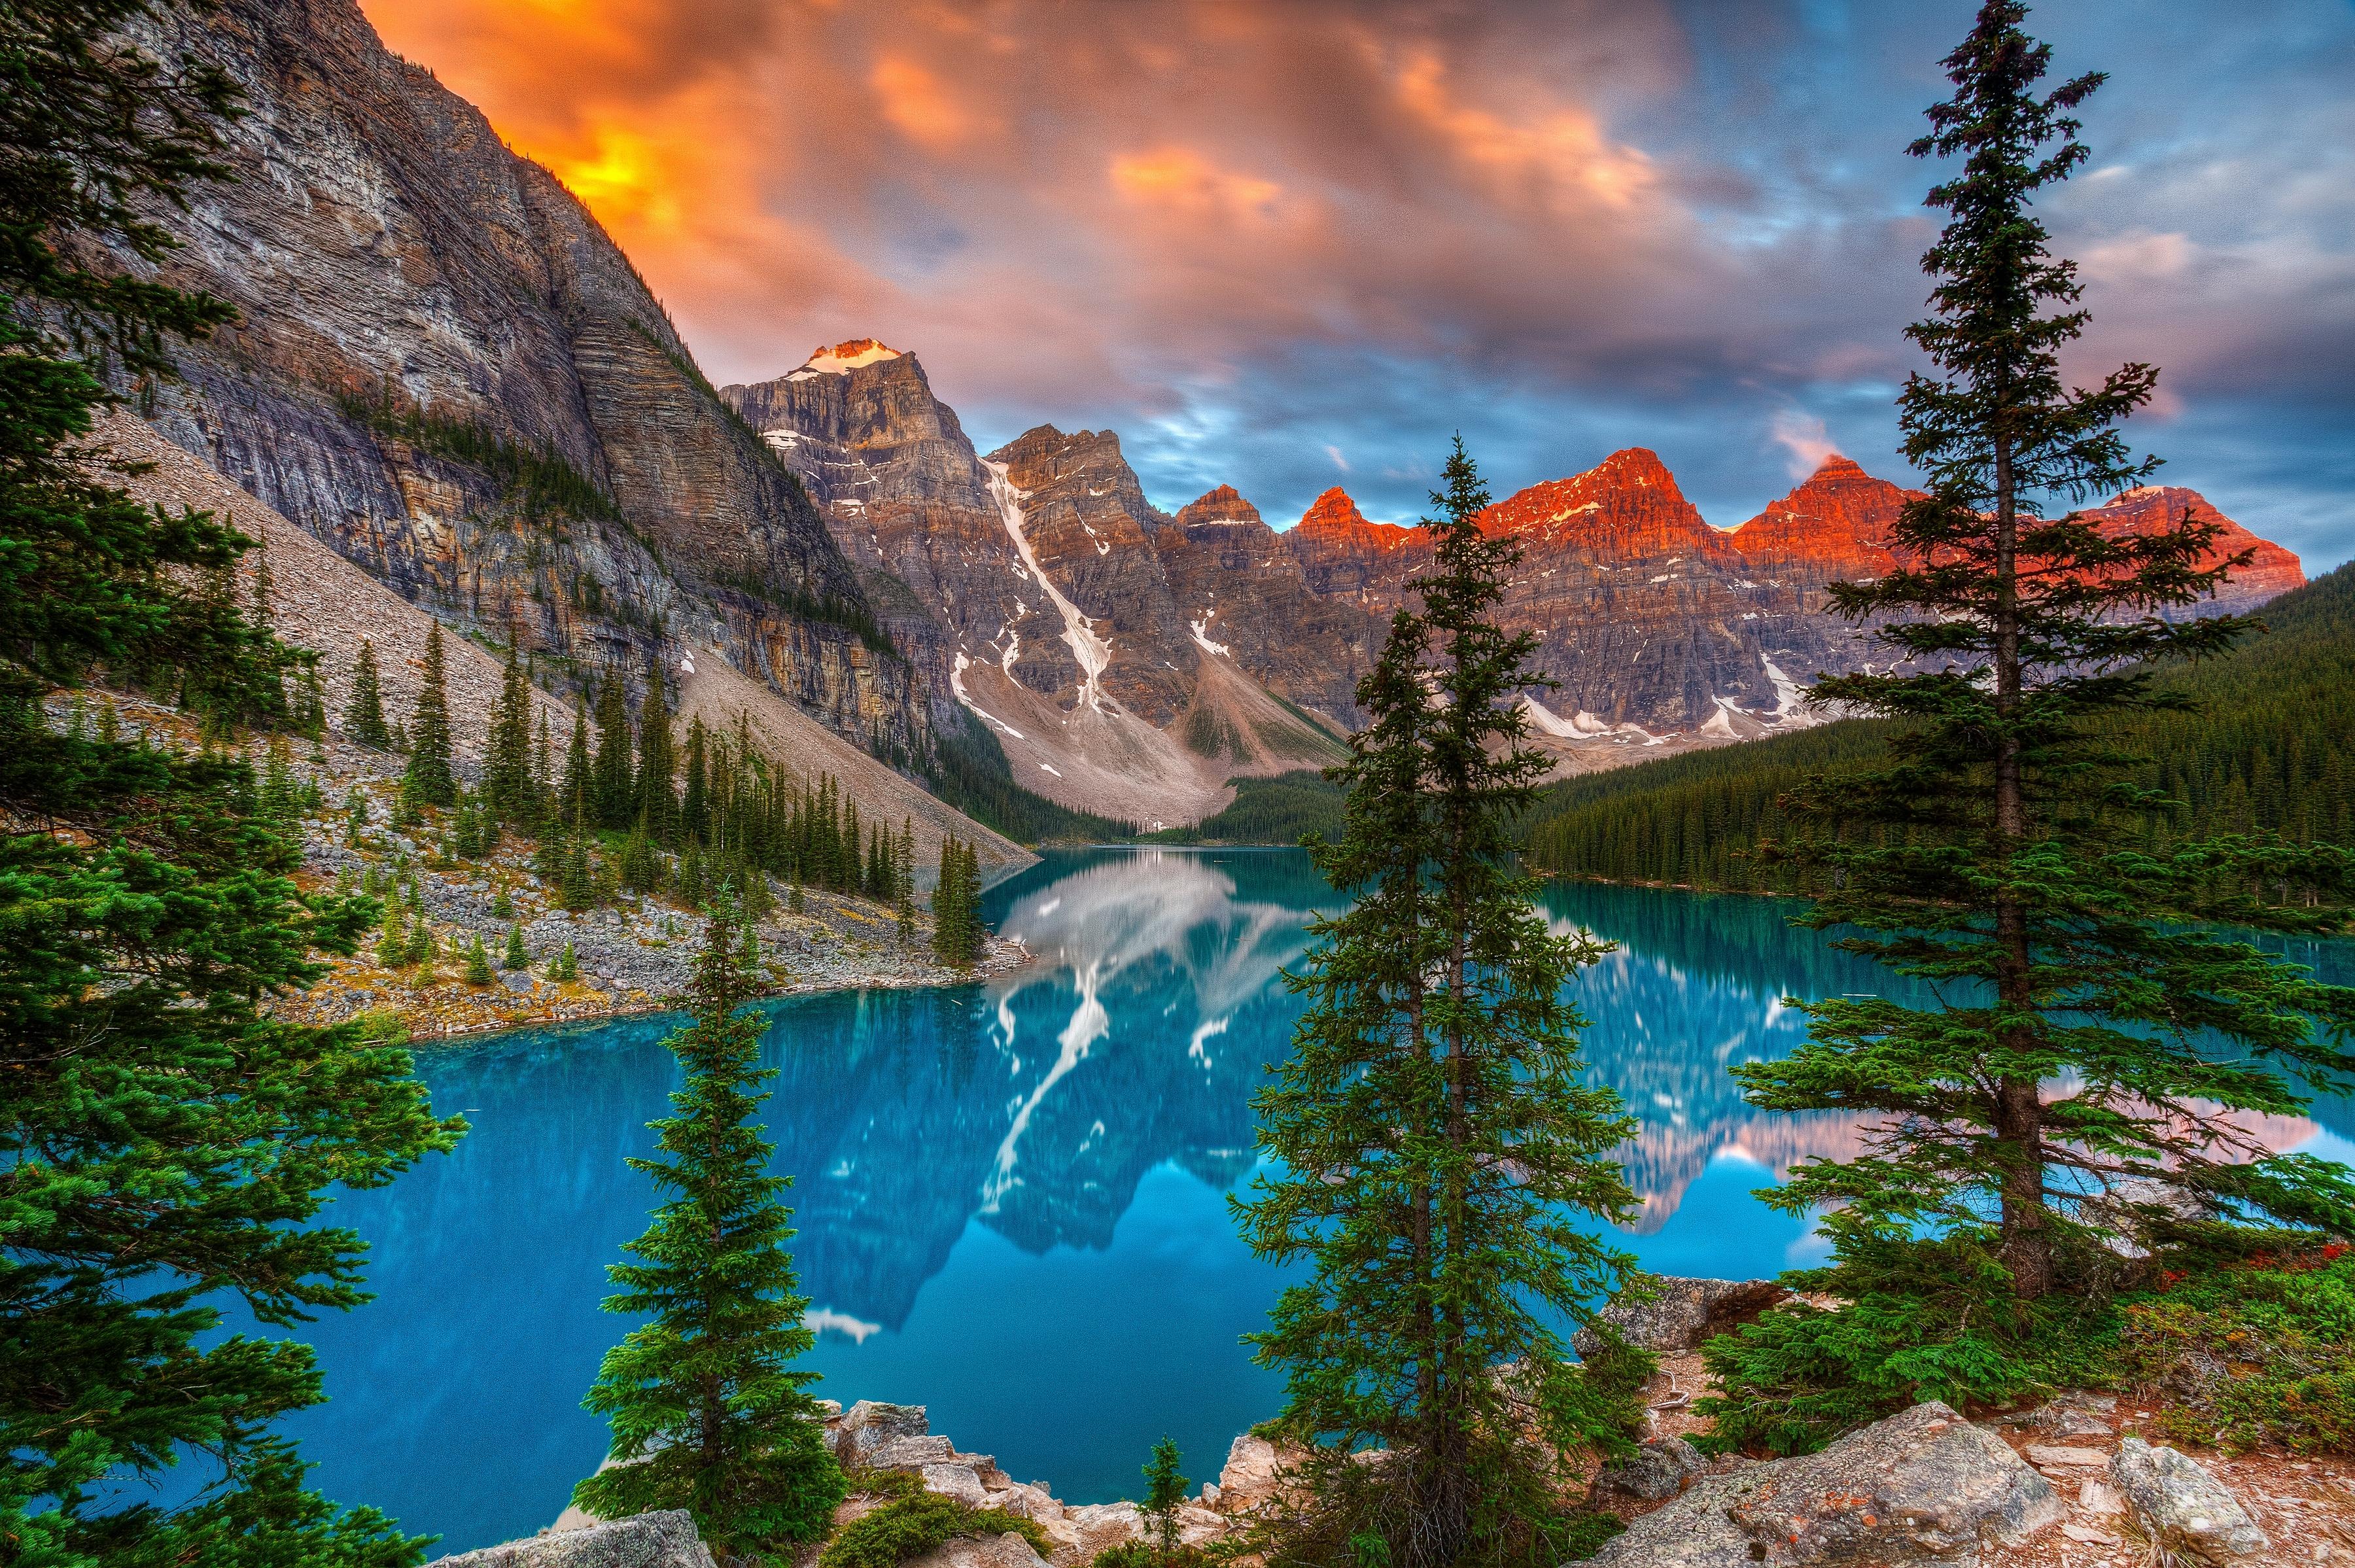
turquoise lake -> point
(1012, 1196)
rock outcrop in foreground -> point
(649, 1540)
(1922, 1485)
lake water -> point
(1012, 1196)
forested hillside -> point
(2265, 750)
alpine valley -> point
(446, 372)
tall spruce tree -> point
(1435, 1155)
(709, 1412)
(574, 786)
(164, 1143)
(2093, 1026)
(657, 762)
(430, 780)
(613, 795)
(508, 789)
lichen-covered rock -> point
(1922, 1486)
(1678, 1313)
(2182, 1507)
(1249, 1476)
(1654, 1473)
(666, 1540)
(870, 1424)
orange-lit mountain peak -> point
(1626, 504)
(848, 355)
(1223, 505)
(1334, 515)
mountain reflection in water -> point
(1012, 1198)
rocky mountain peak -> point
(1223, 505)
(1335, 514)
(1837, 520)
(2271, 570)
(1627, 506)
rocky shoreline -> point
(2069, 1483)
(635, 955)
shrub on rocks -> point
(2261, 1351)
(1920, 1320)
(911, 1526)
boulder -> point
(868, 1426)
(1249, 1475)
(1006, 1550)
(958, 1481)
(2182, 1507)
(646, 1540)
(1921, 1486)
(1654, 1473)
(1031, 1502)
(908, 1453)
(1679, 1314)
(1100, 1525)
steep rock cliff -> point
(445, 370)
(1245, 597)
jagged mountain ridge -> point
(1073, 613)
(1081, 613)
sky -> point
(1288, 246)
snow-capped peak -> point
(845, 357)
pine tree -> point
(2006, 860)
(958, 935)
(478, 961)
(260, 615)
(1165, 1489)
(165, 1144)
(657, 802)
(565, 966)
(572, 790)
(1432, 1146)
(517, 956)
(903, 900)
(364, 720)
(709, 1412)
(430, 780)
(507, 790)
(613, 798)
(695, 809)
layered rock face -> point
(2271, 570)
(1245, 596)
(1089, 529)
(1040, 591)
(445, 370)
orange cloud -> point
(915, 102)
(1560, 152)
(1183, 178)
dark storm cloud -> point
(1287, 246)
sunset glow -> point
(1252, 237)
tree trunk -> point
(2027, 1242)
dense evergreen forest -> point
(2263, 750)
(1266, 811)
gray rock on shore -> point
(645, 1541)
(1654, 1473)
(1923, 1485)
(1677, 1314)
(2184, 1510)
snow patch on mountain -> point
(1091, 652)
